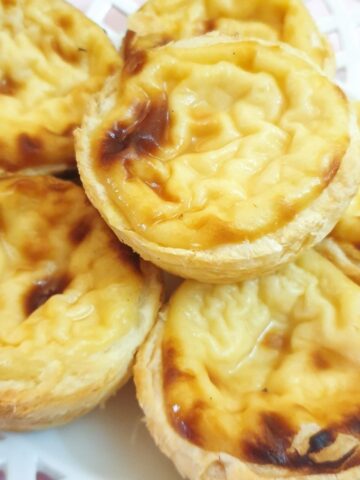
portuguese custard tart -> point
(75, 304)
(288, 21)
(52, 58)
(260, 379)
(218, 159)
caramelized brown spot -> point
(126, 254)
(42, 290)
(134, 59)
(69, 130)
(67, 54)
(69, 175)
(187, 426)
(209, 25)
(321, 440)
(171, 373)
(321, 360)
(286, 211)
(30, 147)
(35, 251)
(270, 445)
(126, 143)
(331, 171)
(8, 86)
(65, 22)
(80, 231)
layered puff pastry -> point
(52, 58)
(75, 304)
(258, 380)
(219, 159)
(160, 21)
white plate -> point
(112, 443)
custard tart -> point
(288, 21)
(260, 379)
(75, 304)
(52, 58)
(219, 159)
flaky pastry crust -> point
(342, 246)
(180, 432)
(75, 304)
(222, 260)
(52, 59)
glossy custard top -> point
(69, 291)
(220, 143)
(268, 370)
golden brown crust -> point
(75, 304)
(48, 73)
(238, 260)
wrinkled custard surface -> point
(218, 144)
(49, 65)
(160, 21)
(268, 370)
(69, 291)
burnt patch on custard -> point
(8, 86)
(134, 58)
(42, 290)
(272, 445)
(80, 231)
(186, 424)
(321, 440)
(142, 138)
(126, 254)
(70, 176)
(329, 174)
